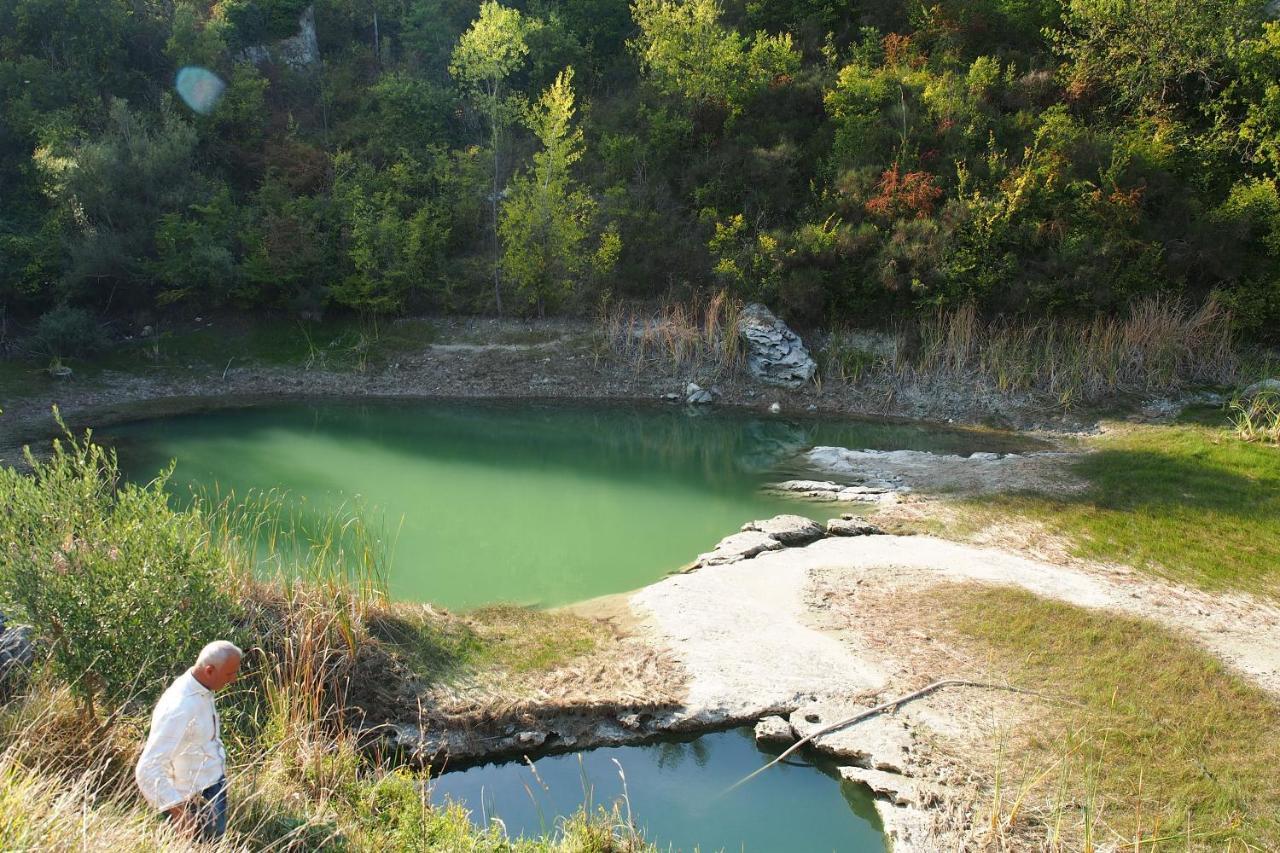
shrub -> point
(67, 331)
(127, 588)
(1257, 418)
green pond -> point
(676, 793)
(532, 503)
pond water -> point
(532, 503)
(675, 791)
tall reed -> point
(697, 336)
(1160, 346)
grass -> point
(1190, 502)
(1160, 346)
(1257, 418)
(1161, 748)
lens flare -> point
(200, 88)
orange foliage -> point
(912, 194)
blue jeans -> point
(211, 811)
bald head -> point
(217, 664)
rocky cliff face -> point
(301, 50)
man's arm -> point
(153, 773)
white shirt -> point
(184, 753)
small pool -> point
(675, 791)
(532, 503)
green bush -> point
(126, 588)
(67, 331)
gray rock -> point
(882, 742)
(852, 527)
(301, 50)
(790, 530)
(1271, 386)
(739, 546)
(17, 653)
(774, 731)
(775, 408)
(897, 789)
(695, 395)
(775, 354)
(873, 492)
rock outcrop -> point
(774, 732)
(790, 530)
(775, 354)
(16, 654)
(301, 50)
(1266, 386)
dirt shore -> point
(471, 360)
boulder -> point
(696, 395)
(851, 527)
(300, 50)
(774, 731)
(17, 653)
(739, 546)
(822, 490)
(775, 354)
(1270, 386)
(790, 530)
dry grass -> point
(1162, 346)
(1158, 748)
(697, 337)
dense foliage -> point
(841, 160)
(123, 584)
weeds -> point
(1257, 419)
(695, 337)
(1162, 346)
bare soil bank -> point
(475, 359)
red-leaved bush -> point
(900, 196)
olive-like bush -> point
(125, 588)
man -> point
(183, 766)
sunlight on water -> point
(530, 503)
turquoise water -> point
(531, 503)
(676, 795)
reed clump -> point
(1161, 346)
(694, 336)
(1257, 418)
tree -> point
(486, 55)
(687, 51)
(1153, 51)
(394, 227)
(546, 221)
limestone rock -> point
(823, 490)
(301, 50)
(897, 789)
(882, 742)
(790, 530)
(852, 527)
(17, 653)
(696, 395)
(1271, 386)
(775, 354)
(739, 546)
(774, 731)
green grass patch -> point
(1164, 745)
(1190, 502)
(505, 637)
